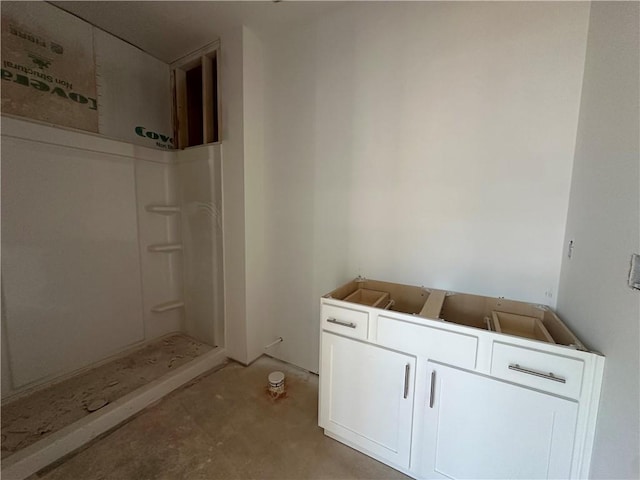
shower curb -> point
(37, 456)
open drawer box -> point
(521, 325)
(372, 298)
(508, 317)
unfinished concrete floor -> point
(225, 425)
(35, 416)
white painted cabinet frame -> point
(484, 404)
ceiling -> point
(171, 30)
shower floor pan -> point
(49, 423)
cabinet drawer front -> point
(345, 321)
(436, 344)
(534, 368)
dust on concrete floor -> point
(31, 418)
(225, 426)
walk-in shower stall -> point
(112, 279)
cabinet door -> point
(366, 396)
(479, 427)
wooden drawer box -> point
(371, 298)
(521, 325)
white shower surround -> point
(75, 238)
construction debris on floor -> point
(226, 425)
(31, 418)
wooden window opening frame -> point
(211, 125)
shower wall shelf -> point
(166, 306)
(165, 247)
(163, 209)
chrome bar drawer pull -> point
(548, 376)
(407, 367)
(340, 322)
(433, 389)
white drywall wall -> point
(604, 223)
(232, 151)
(420, 142)
(254, 174)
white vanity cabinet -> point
(419, 380)
(367, 396)
(474, 426)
